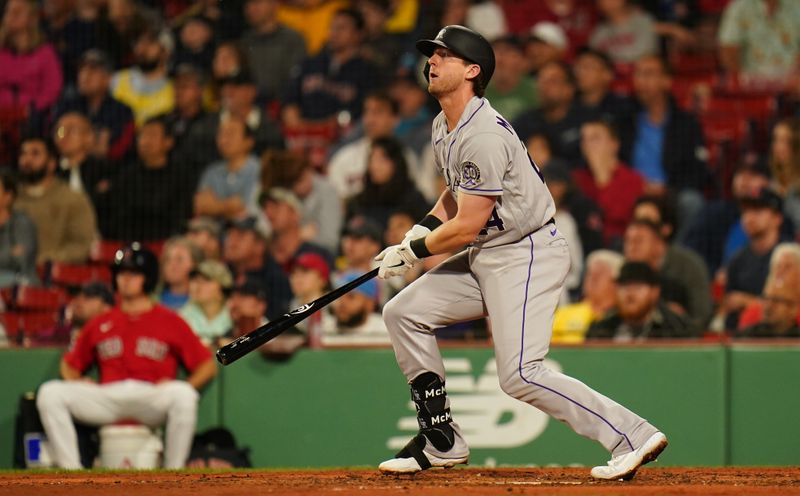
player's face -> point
(448, 72)
(130, 284)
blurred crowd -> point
(267, 150)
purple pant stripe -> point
(522, 350)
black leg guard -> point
(433, 417)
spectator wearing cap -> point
(94, 298)
(357, 318)
(746, 272)
(111, 119)
(334, 83)
(716, 232)
(74, 138)
(599, 288)
(238, 94)
(607, 180)
(146, 87)
(640, 313)
(206, 234)
(361, 242)
(546, 43)
(149, 196)
(310, 279)
(387, 185)
(594, 74)
(179, 258)
(348, 164)
(190, 125)
(664, 143)
(64, 218)
(227, 188)
(17, 237)
(207, 311)
(678, 267)
(559, 115)
(247, 306)
(323, 212)
(273, 49)
(31, 78)
(284, 211)
(511, 90)
(195, 43)
(576, 17)
(626, 33)
(245, 251)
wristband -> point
(430, 221)
(419, 249)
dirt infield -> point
(471, 481)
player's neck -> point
(136, 305)
(454, 103)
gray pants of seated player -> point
(518, 286)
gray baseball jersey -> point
(484, 156)
(514, 273)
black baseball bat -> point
(243, 345)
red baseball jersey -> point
(144, 347)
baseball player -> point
(137, 346)
(512, 270)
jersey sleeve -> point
(188, 347)
(81, 354)
(482, 165)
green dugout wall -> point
(720, 405)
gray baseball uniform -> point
(513, 272)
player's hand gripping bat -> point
(243, 345)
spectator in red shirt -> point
(611, 184)
(30, 73)
(137, 347)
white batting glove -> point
(396, 260)
(417, 231)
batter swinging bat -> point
(243, 345)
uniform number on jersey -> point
(494, 222)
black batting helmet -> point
(465, 43)
(136, 258)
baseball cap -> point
(313, 261)
(97, 289)
(206, 224)
(369, 288)
(764, 197)
(281, 195)
(549, 33)
(362, 227)
(97, 58)
(249, 224)
(633, 272)
(214, 271)
(252, 286)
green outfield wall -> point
(720, 405)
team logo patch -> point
(470, 175)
